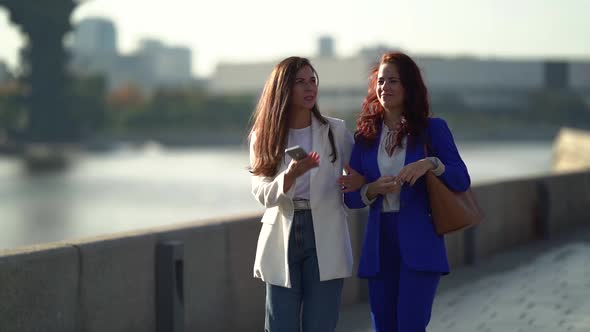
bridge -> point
(45, 24)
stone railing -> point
(111, 283)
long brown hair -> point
(271, 117)
(416, 107)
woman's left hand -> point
(412, 172)
(352, 181)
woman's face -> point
(390, 90)
(305, 89)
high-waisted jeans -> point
(310, 305)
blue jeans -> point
(310, 305)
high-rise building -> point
(326, 47)
(95, 36)
(168, 65)
(154, 64)
(94, 47)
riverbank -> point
(237, 137)
(463, 131)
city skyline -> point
(259, 31)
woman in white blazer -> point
(303, 250)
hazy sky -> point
(254, 30)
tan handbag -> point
(451, 211)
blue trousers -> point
(310, 305)
(401, 298)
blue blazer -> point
(421, 248)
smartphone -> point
(296, 152)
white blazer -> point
(327, 208)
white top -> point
(301, 137)
(391, 166)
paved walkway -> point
(541, 287)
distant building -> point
(133, 69)
(326, 47)
(153, 65)
(168, 65)
(94, 36)
(464, 73)
(485, 84)
(342, 81)
(556, 74)
(501, 84)
(579, 76)
(4, 72)
(372, 55)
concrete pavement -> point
(541, 287)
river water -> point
(135, 188)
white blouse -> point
(391, 166)
(301, 137)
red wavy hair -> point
(416, 107)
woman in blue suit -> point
(402, 256)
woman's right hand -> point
(297, 168)
(384, 185)
(352, 181)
